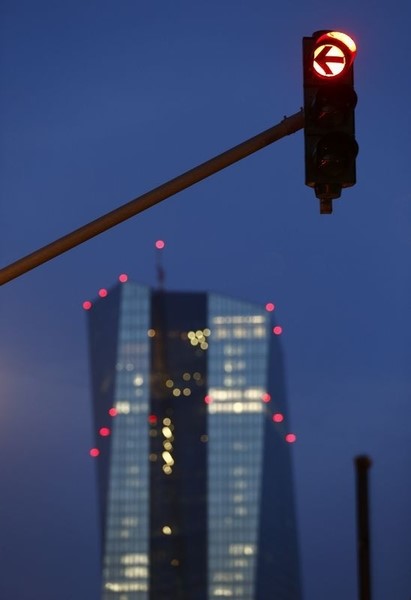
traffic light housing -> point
(329, 107)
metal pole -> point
(86, 232)
(362, 465)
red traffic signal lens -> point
(343, 39)
(334, 53)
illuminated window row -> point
(220, 591)
(238, 319)
(236, 407)
(221, 394)
(238, 549)
(234, 381)
(134, 559)
(240, 332)
(240, 511)
(125, 366)
(238, 365)
(239, 562)
(234, 350)
(227, 577)
(119, 586)
(136, 572)
(125, 407)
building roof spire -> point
(161, 274)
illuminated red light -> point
(102, 293)
(104, 431)
(290, 438)
(87, 305)
(160, 244)
(333, 54)
(270, 306)
(277, 330)
(278, 418)
(208, 399)
(113, 412)
(94, 452)
(152, 419)
(266, 397)
(123, 278)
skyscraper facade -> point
(192, 445)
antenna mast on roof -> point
(161, 275)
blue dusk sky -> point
(103, 100)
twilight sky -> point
(103, 100)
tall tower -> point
(192, 448)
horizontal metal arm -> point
(122, 213)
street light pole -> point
(287, 126)
(362, 465)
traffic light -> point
(329, 106)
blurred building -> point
(191, 431)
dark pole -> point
(362, 465)
(287, 126)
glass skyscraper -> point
(192, 448)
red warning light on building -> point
(152, 419)
(290, 438)
(334, 53)
(104, 431)
(278, 417)
(113, 412)
(87, 305)
(94, 452)
(102, 293)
